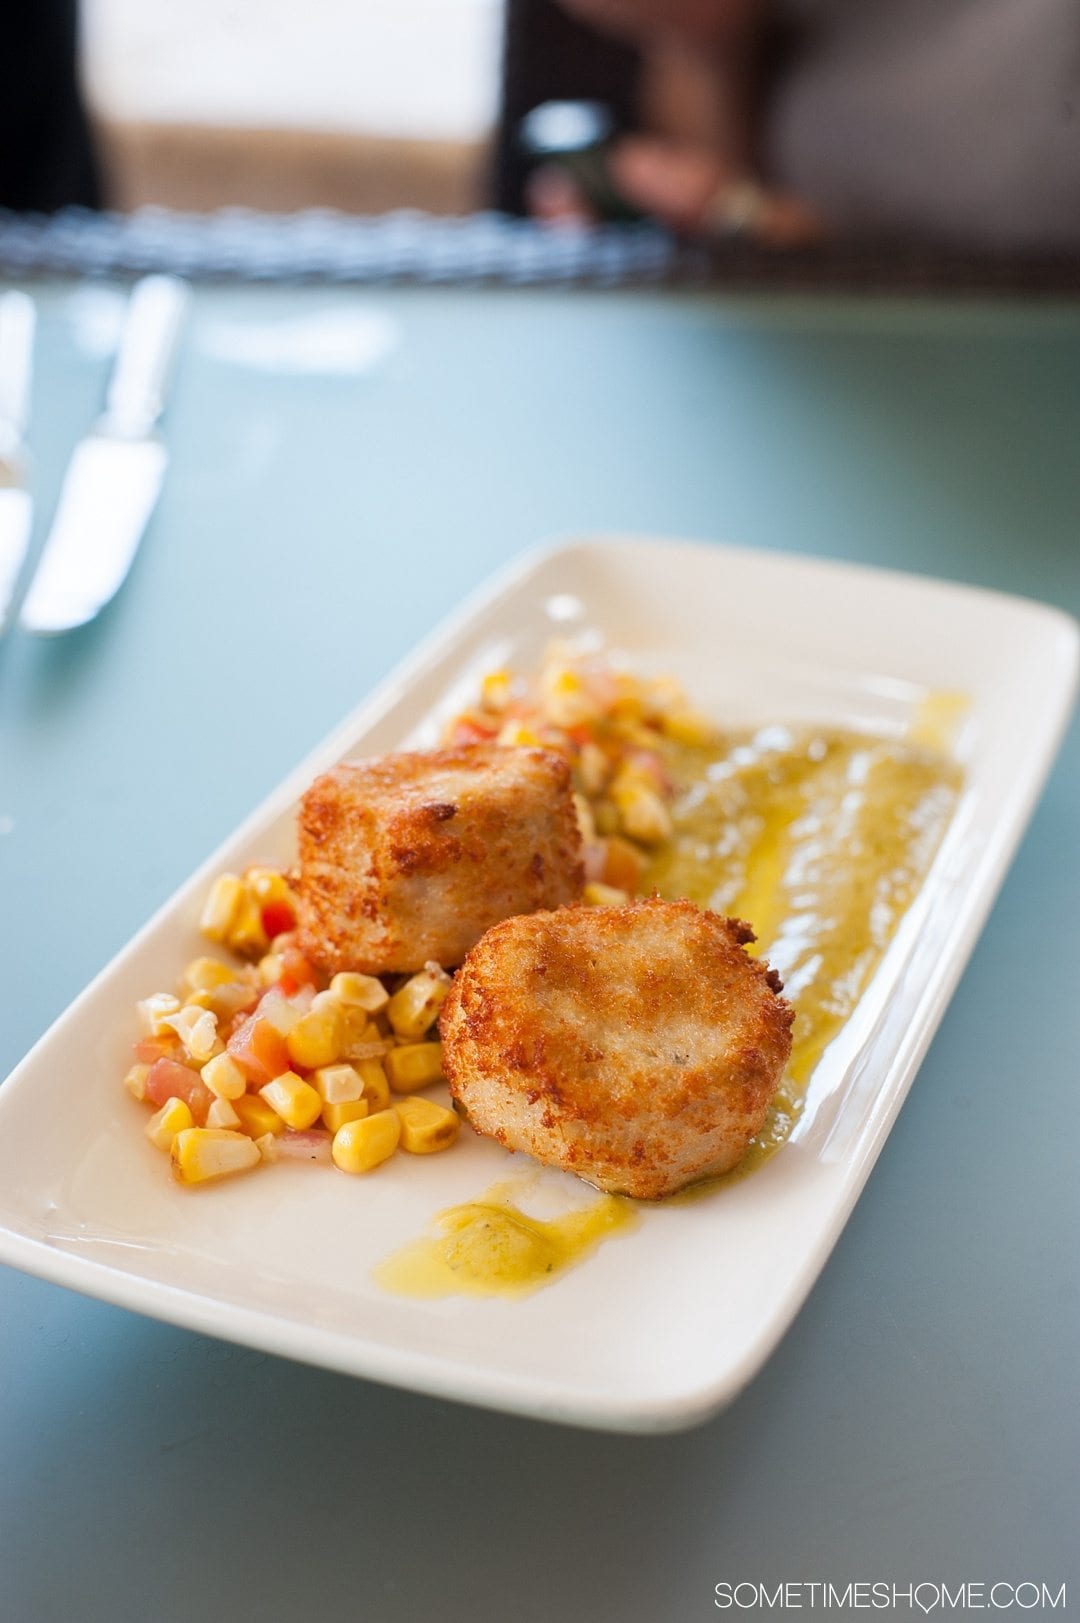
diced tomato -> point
(296, 971)
(170, 1080)
(259, 1050)
(624, 864)
(277, 917)
(471, 729)
(150, 1049)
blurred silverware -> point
(16, 506)
(115, 474)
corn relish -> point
(256, 1057)
(616, 729)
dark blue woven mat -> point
(325, 246)
(320, 245)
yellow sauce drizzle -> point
(490, 1247)
(821, 841)
(937, 720)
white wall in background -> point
(427, 68)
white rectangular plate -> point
(666, 1322)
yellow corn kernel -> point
(426, 1126)
(269, 885)
(267, 1147)
(202, 1153)
(641, 811)
(413, 1066)
(598, 895)
(689, 727)
(594, 769)
(163, 1126)
(516, 732)
(224, 1077)
(567, 701)
(640, 734)
(246, 934)
(336, 1084)
(607, 818)
(154, 1011)
(495, 690)
(360, 1037)
(415, 1006)
(203, 974)
(222, 1114)
(256, 1116)
(135, 1081)
(362, 1144)
(295, 1100)
(336, 1115)
(224, 1000)
(372, 1073)
(629, 704)
(316, 1038)
(365, 991)
(197, 1030)
(222, 906)
(270, 968)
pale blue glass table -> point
(919, 1421)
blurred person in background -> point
(46, 154)
(951, 122)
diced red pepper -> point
(277, 918)
(168, 1079)
(150, 1049)
(259, 1050)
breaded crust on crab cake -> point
(410, 857)
(636, 1046)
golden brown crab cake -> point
(637, 1046)
(411, 857)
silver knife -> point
(16, 506)
(116, 473)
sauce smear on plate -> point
(490, 1247)
(820, 840)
